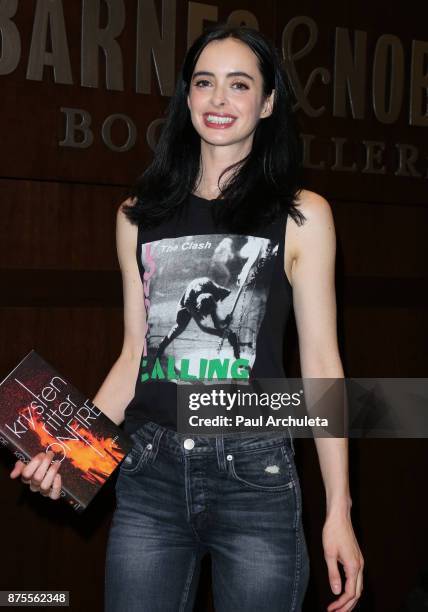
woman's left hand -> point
(340, 544)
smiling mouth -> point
(218, 120)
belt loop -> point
(291, 439)
(157, 436)
(221, 460)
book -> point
(40, 410)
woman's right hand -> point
(41, 474)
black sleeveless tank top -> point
(217, 305)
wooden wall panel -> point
(385, 343)
(61, 286)
(58, 226)
(382, 240)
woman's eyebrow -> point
(229, 74)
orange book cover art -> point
(41, 411)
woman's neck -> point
(214, 159)
(207, 194)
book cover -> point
(40, 410)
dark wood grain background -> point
(61, 287)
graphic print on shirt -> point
(205, 298)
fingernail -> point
(336, 588)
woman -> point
(225, 172)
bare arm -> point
(314, 300)
(117, 390)
(313, 249)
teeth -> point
(213, 119)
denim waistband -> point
(157, 436)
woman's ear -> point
(268, 105)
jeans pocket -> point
(134, 460)
(266, 469)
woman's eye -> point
(202, 83)
(243, 84)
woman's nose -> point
(219, 95)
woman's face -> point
(218, 94)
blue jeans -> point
(236, 496)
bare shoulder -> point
(123, 223)
(122, 205)
(315, 234)
(317, 212)
(314, 206)
(126, 232)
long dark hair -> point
(262, 185)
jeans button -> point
(149, 446)
(229, 457)
(188, 443)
